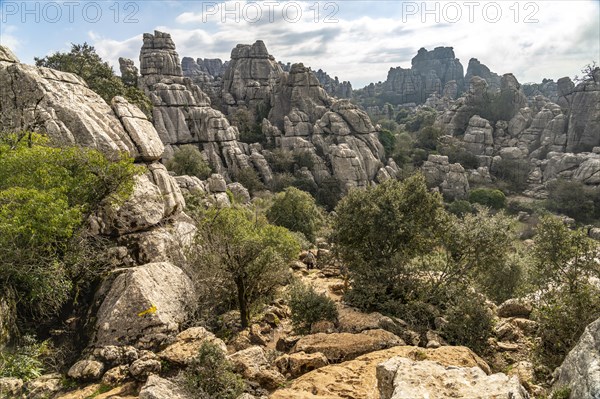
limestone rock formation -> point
(345, 346)
(400, 378)
(430, 73)
(207, 74)
(451, 179)
(357, 378)
(476, 68)
(61, 105)
(249, 79)
(581, 368)
(182, 111)
(333, 86)
(143, 305)
(160, 388)
(584, 117)
(187, 344)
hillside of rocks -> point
(141, 331)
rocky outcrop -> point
(143, 305)
(249, 79)
(400, 378)
(476, 68)
(187, 344)
(61, 105)
(435, 72)
(333, 86)
(207, 74)
(584, 117)
(182, 111)
(161, 388)
(450, 179)
(581, 368)
(357, 378)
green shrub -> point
(388, 140)
(296, 210)
(427, 138)
(514, 172)
(494, 199)
(422, 118)
(24, 361)
(210, 373)
(249, 178)
(329, 193)
(189, 161)
(309, 307)
(563, 263)
(303, 159)
(460, 207)
(469, 322)
(574, 199)
(45, 195)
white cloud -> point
(363, 48)
(8, 37)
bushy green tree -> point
(406, 256)
(494, 199)
(296, 210)
(98, 74)
(251, 254)
(574, 199)
(45, 195)
(380, 230)
(308, 307)
(563, 265)
(189, 161)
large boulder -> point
(580, 370)
(400, 378)
(253, 365)
(143, 305)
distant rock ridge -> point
(435, 72)
(333, 86)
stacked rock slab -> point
(182, 112)
(249, 80)
(339, 136)
(61, 105)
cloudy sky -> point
(352, 39)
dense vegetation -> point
(48, 262)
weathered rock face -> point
(357, 378)
(451, 179)
(147, 227)
(207, 74)
(584, 117)
(429, 74)
(182, 111)
(187, 344)
(129, 71)
(143, 305)
(61, 105)
(160, 388)
(333, 86)
(581, 368)
(249, 79)
(476, 68)
(400, 378)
